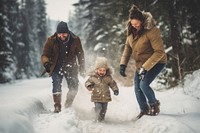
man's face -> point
(62, 36)
(101, 71)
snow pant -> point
(72, 82)
(143, 91)
(100, 110)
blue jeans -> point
(71, 78)
(143, 91)
(100, 109)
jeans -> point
(100, 109)
(71, 78)
(143, 91)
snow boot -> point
(101, 117)
(57, 103)
(155, 108)
(142, 113)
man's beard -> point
(64, 39)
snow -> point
(26, 107)
(60, 10)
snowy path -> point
(27, 104)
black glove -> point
(142, 73)
(122, 70)
(116, 92)
(47, 66)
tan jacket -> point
(100, 91)
(51, 53)
(147, 49)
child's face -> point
(101, 71)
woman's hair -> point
(134, 13)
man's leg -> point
(72, 81)
(57, 92)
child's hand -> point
(116, 92)
(90, 87)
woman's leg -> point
(145, 83)
(139, 94)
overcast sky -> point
(59, 9)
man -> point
(63, 56)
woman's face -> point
(136, 24)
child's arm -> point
(113, 86)
(89, 84)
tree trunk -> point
(176, 41)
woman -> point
(145, 42)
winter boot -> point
(57, 103)
(101, 117)
(146, 112)
(70, 98)
(155, 108)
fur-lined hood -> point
(101, 62)
(149, 22)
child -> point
(99, 82)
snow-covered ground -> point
(26, 106)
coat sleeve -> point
(80, 56)
(113, 84)
(89, 82)
(45, 57)
(156, 41)
(126, 53)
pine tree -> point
(6, 56)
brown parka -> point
(51, 53)
(101, 85)
(147, 48)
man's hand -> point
(122, 70)
(142, 73)
(47, 66)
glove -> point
(122, 70)
(116, 92)
(90, 87)
(142, 73)
(47, 66)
